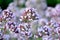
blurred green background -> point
(4, 3)
(52, 2)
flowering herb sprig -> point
(29, 15)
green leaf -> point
(51, 2)
(7, 32)
(39, 38)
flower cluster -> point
(7, 14)
(24, 29)
(53, 12)
(29, 15)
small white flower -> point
(40, 34)
(28, 14)
(43, 31)
(25, 16)
(21, 17)
(36, 36)
(29, 10)
(33, 14)
(12, 26)
(30, 19)
(22, 29)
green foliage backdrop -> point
(52, 2)
(4, 3)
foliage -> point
(4, 3)
(52, 2)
